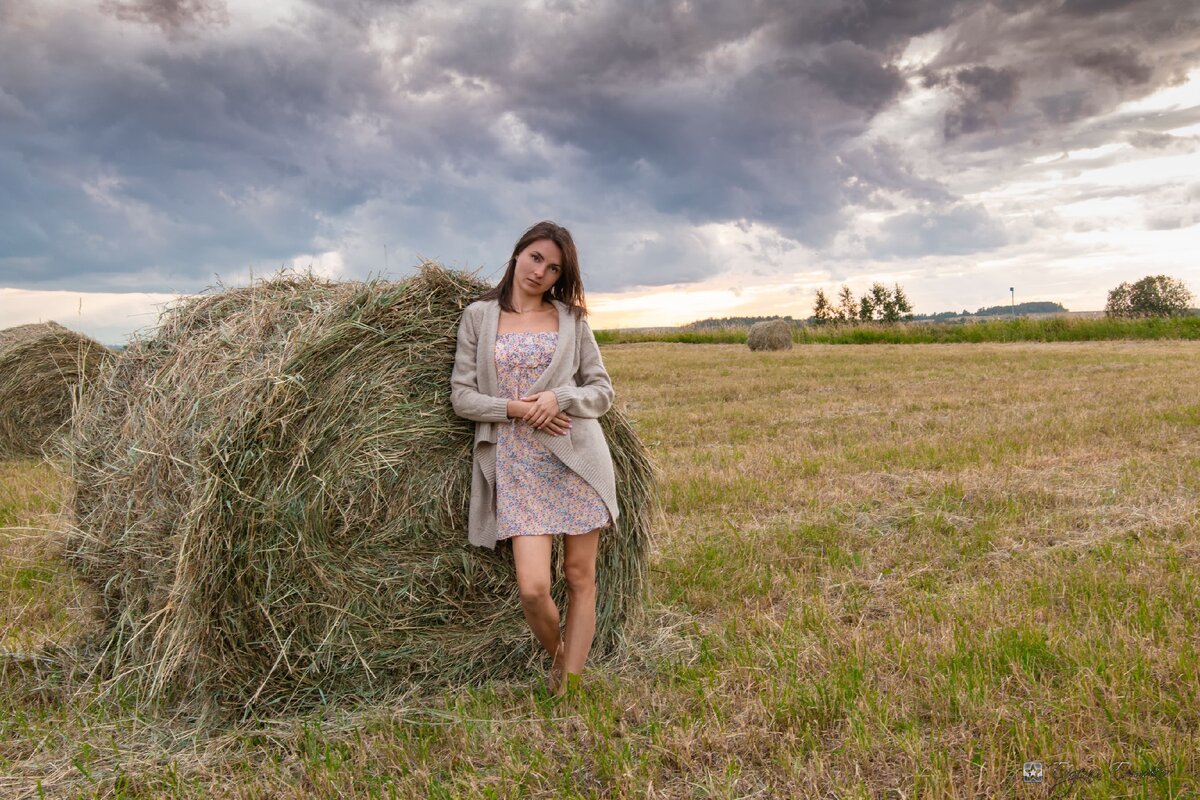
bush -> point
(1152, 296)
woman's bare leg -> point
(580, 568)
(531, 555)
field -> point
(1024, 329)
(883, 572)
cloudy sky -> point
(712, 158)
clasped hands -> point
(541, 411)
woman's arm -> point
(465, 396)
(594, 394)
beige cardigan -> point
(578, 379)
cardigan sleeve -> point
(465, 397)
(592, 395)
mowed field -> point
(883, 571)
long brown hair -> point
(568, 289)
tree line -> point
(713, 323)
(877, 304)
(1152, 296)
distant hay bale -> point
(41, 367)
(271, 499)
(771, 334)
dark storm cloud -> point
(657, 109)
(172, 16)
(854, 75)
(881, 25)
(984, 94)
(1090, 7)
(988, 85)
(1062, 108)
(168, 162)
(1021, 69)
(1122, 66)
(158, 141)
(178, 160)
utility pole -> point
(1013, 295)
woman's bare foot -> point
(556, 679)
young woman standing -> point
(528, 372)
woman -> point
(528, 373)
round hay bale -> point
(771, 334)
(271, 498)
(41, 368)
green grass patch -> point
(1057, 329)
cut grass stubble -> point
(896, 572)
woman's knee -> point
(580, 577)
(533, 591)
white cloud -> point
(108, 317)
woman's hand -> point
(544, 409)
(559, 425)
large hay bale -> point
(41, 368)
(271, 498)
(771, 334)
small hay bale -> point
(271, 498)
(41, 368)
(771, 334)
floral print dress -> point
(536, 493)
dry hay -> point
(271, 499)
(771, 334)
(41, 367)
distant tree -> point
(730, 322)
(847, 310)
(900, 300)
(1119, 304)
(877, 304)
(823, 312)
(1028, 307)
(881, 301)
(885, 305)
(866, 308)
(941, 316)
(1152, 296)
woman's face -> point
(538, 267)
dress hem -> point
(607, 526)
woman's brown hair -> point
(568, 289)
